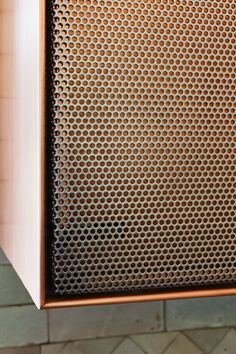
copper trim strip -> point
(20, 200)
(138, 298)
(141, 180)
(43, 149)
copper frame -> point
(33, 270)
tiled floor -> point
(117, 328)
(209, 341)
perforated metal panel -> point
(143, 118)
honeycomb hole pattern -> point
(143, 121)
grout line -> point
(63, 347)
(228, 330)
(122, 336)
(117, 346)
(177, 333)
(191, 340)
(200, 329)
(196, 328)
(169, 344)
(17, 305)
(138, 345)
(64, 344)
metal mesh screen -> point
(143, 118)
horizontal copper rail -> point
(138, 298)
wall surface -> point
(175, 327)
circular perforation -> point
(144, 98)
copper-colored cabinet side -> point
(21, 115)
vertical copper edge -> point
(20, 198)
(42, 35)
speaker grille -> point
(143, 118)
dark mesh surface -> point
(143, 144)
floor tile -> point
(70, 348)
(182, 345)
(154, 343)
(52, 348)
(207, 339)
(128, 347)
(21, 326)
(98, 346)
(201, 313)
(92, 346)
(228, 344)
(105, 321)
(12, 291)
